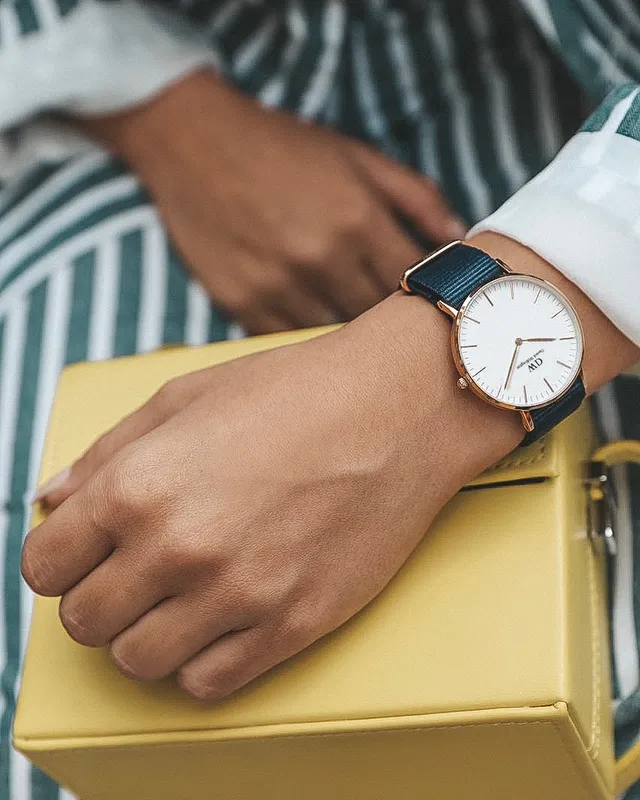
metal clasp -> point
(601, 501)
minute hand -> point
(540, 339)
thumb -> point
(417, 197)
(170, 399)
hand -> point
(286, 224)
(249, 509)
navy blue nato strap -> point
(451, 277)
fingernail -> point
(52, 485)
(457, 228)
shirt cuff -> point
(101, 58)
(582, 215)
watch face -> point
(519, 342)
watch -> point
(516, 340)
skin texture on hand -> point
(285, 223)
(249, 509)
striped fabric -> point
(479, 94)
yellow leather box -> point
(481, 673)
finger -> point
(392, 251)
(93, 613)
(256, 321)
(419, 198)
(353, 291)
(169, 635)
(346, 282)
(247, 306)
(286, 300)
(62, 550)
(170, 399)
(306, 307)
(230, 663)
(272, 297)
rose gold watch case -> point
(457, 356)
(466, 381)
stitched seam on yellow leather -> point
(596, 654)
(120, 740)
(578, 767)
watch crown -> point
(462, 383)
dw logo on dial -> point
(533, 365)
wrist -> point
(450, 436)
(458, 433)
(144, 134)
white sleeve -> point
(582, 213)
(95, 57)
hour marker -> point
(511, 288)
(488, 298)
(466, 316)
(562, 364)
(557, 312)
(566, 338)
(537, 296)
(548, 384)
(475, 374)
(468, 345)
(524, 389)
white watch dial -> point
(519, 341)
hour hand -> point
(540, 339)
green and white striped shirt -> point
(479, 94)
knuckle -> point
(356, 217)
(253, 601)
(241, 302)
(36, 568)
(123, 490)
(79, 622)
(315, 248)
(211, 685)
(302, 626)
(164, 398)
(91, 459)
(99, 451)
(127, 659)
(187, 554)
(249, 602)
(119, 496)
(309, 249)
